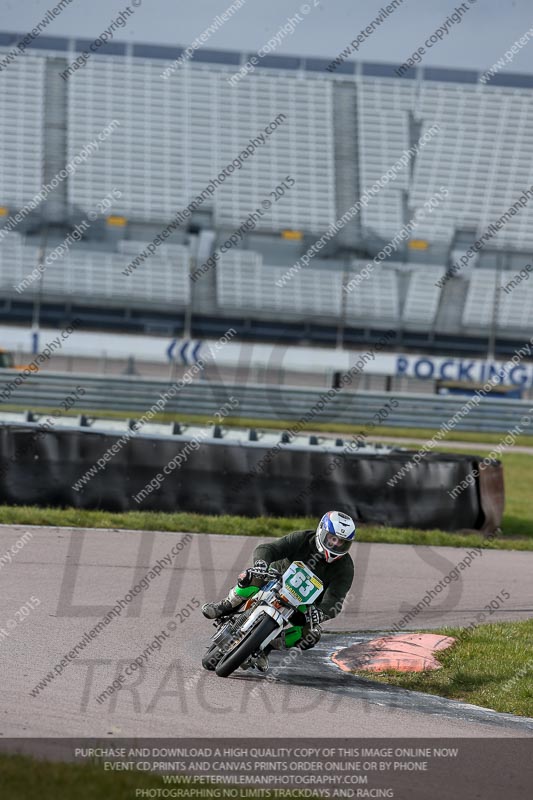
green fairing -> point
(247, 591)
(293, 635)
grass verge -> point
(240, 526)
(490, 666)
(26, 778)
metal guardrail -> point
(258, 401)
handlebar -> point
(269, 573)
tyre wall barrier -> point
(93, 469)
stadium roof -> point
(309, 64)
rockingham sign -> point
(320, 361)
(464, 370)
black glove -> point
(314, 617)
(260, 568)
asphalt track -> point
(77, 575)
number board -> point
(301, 583)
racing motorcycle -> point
(242, 635)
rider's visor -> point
(336, 544)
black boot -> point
(217, 610)
(224, 607)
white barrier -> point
(291, 358)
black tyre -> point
(249, 645)
(211, 658)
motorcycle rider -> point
(326, 552)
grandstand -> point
(336, 134)
(21, 131)
(176, 134)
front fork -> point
(292, 634)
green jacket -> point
(337, 576)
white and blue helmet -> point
(335, 534)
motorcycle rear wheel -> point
(244, 650)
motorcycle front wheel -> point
(244, 650)
(211, 658)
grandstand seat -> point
(95, 275)
(479, 305)
(482, 155)
(515, 306)
(244, 282)
(376, 298)
(423, 296)
(176, 135)
(21, 131)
